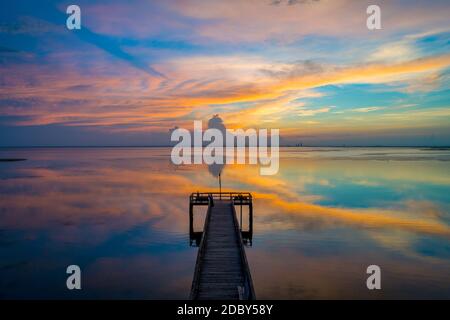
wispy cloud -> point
(312, 112)
(368, 109)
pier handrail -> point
(204, 196)
(248, 292)
(196, 281)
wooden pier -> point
(221, 271)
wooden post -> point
(250, 217)
(220, 187)
(191, 222)
(241, 216)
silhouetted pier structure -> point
(221, 270)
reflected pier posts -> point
(245, 200)
(196, 199)
(239, 200)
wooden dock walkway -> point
(221, 271)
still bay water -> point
(121, 214)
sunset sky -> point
(139, 68)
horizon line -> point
(281, 146)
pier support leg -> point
(191, 223)
(250, 224)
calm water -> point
(121, 214)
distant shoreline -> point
(11, 159)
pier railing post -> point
(191, 222)
(250, 218)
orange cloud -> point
(129, 99)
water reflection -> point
(122, 215)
